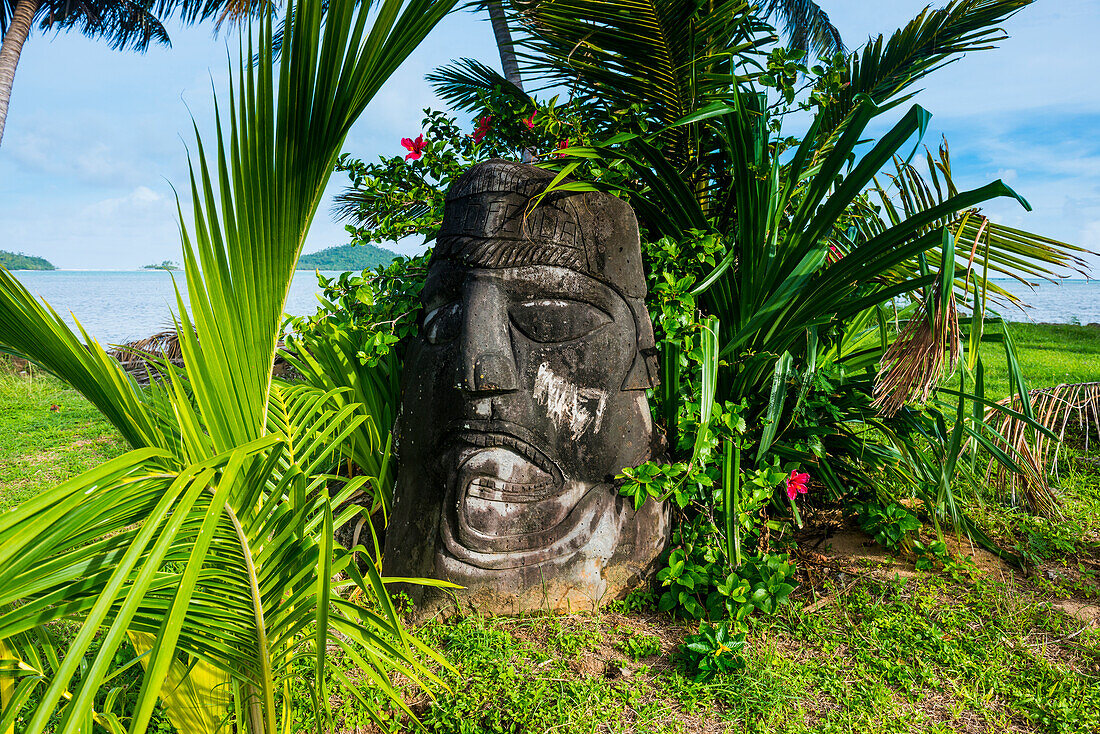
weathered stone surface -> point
(524, 396)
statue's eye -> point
(443, 324)
(556, 320)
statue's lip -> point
(486, 434)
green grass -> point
(1049, 354)
(873, 654)
(48, 433)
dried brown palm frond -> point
(1055, 408)
(136, 356)
(162, 344)
(926, 349)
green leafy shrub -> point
(896, 529)
(769, 578)
(713, 650)
(892, 526)
(697, 582)
(640, 600)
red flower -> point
(530, 121)
(562, 146)
(415, 147)
(796, 484)
(482, 128)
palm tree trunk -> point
(504, 42)
(12, 46)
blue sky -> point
(95, 138)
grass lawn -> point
(1049, 354)
(867, 643)
(48, 433)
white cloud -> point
(1050, 56)
(1090, 238)
(140, 201)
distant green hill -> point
(13, 261)
(347, 257)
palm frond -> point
(885, 70)
(1057, 409)
(928, 348)
(220, 543)
(331, 363)
(983, 248)
(260, 189)
(666, 57)
(465, 82)
(806, 26)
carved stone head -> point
(523, 396)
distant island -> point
(166, 265)
(19, 261)
(347, 258)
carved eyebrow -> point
(554, 300)
(577, 290)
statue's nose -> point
(488, 364)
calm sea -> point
(118, 306)
(1067, 302)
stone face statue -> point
(523, 397)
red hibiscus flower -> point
(562, 146)
(482, 128)
(415, 147)
(796, 484)
(530, 121)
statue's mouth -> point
(499, 466)
(506, 493)
(508, 501)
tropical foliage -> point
(813, 291)
(214, 535)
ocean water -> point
(1067, 302)
(118, 306)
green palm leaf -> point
(806, 26)
(983, 247)
(215, 535)
(667, 57)
(885, 70)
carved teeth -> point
(498, 490)
(481, 439)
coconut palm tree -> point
(125, 24)
(503, 36)
(806, 25)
